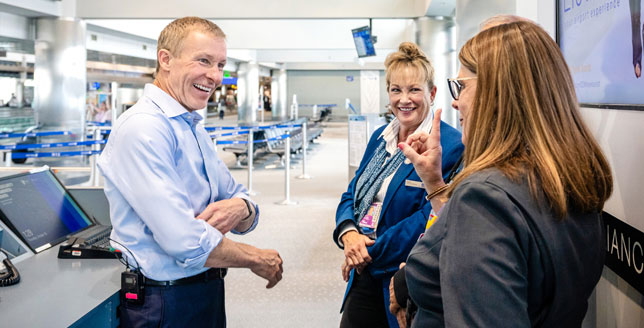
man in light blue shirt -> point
(172, 200)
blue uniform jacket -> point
(404, 212)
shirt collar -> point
(390, 133)
(170, 106)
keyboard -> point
(92, 246)
(100, 240)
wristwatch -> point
(250, 210)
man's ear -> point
(164, 57)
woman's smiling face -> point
(409, 97)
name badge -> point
(415, 184)
(369, 223)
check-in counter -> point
(53, 292)
(56, 292)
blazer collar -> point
(400, 176)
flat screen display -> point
(602, 43)
(39, 209)
(362, 39)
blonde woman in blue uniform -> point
(384, 210)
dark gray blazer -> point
(496, 257)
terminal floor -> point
(312, 288)
(311, 291)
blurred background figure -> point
(103, 113)
(231, 101)
(13, 101)
(267, 100)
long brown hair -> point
(525, 119)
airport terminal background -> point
(68, 68)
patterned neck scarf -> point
(371, 179)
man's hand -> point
(265, 263)
(268, 266)
(401, 316)
(225, 215)
(355, 251)
(394, 307)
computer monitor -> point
(363, 41)
(93, 201)
(38, 208)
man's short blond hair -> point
(172, 36)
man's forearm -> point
(231, 254)
(265, 263)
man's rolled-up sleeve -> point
(228, 187)
(255, 218)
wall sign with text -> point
(625, 251)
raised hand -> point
(424, 151)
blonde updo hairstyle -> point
(410, 56)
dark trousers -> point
(196, 305)
(365, 304)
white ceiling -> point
(295, 34)
(242, 9)
(290, 41)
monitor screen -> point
(362, 39)
(94, 202)
(602, 43)
(39, 209)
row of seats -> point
(277, 147)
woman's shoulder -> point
(375, 136)
(451, 140)
(492, 184)
(492, 176)
(489, 197)
(449, 131)
(377, 132)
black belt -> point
(212, 274)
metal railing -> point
(96, 133)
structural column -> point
(60, 74)
(436, 36)
(369, 92)
(279, 95)
(247, 91)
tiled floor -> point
(311, 291)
